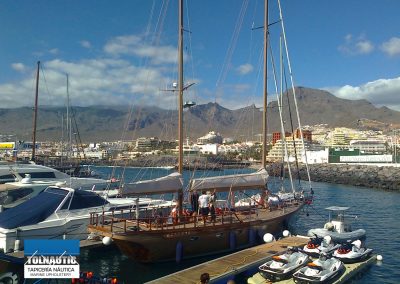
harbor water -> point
(375, 210)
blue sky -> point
(124, 52)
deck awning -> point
(169, 184)
(237, 182)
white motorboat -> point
(36, 172)
(14, 193)
(337, 227)
(64, 213)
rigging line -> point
(44, 79)
(292, 128)
(294, 91)
(283, 138)
(232, 44)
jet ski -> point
(351, 253)
(323, 270)
(318, 245)
(282, 266)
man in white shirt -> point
(204, 203)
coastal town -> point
(322, 144)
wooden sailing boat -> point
(182, 236)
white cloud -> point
(85, 44)
(245, 69)
(134, 45)
(92, 82)
(391, 47)
(382, 92)
(18, 67)
(109, 79)
(356, 46)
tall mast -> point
(180, 87)
(180, 102)
(35, 113)
(68, 120)
(264, 148)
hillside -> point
(103, 123)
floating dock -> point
(228, 266)
(247, 262)
(350, 272)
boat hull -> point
(174, 244)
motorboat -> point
(36, 172)
(323, 270)
(352, 252)
(282, 266)
(14, 193)
(64, 213)
(337, 227)
(317, 245)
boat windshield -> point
(84, 199)
(34, 210)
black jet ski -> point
(352, 252)
(318, 245)
(323, 270)
(284, 265)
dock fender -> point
(252, 237)
(179, 252)
(232, 240)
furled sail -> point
(169, 184)
(231, 182)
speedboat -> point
(352, 253)
(36, 172)
(64, 213)
(337, 227)
(284, 265)
(14, 193)
(323, 270)
(317, 245)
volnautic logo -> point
(51, 259)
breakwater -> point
(383, 177)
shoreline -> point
(372, 176)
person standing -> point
(194, 201)
(204, 203)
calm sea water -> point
(377, 211)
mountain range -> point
(111, 123)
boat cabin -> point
(336, 219)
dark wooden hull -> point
(177, 244)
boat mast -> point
(180, 100)
(264, 148)
(35, 113)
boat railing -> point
(125, 220)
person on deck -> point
(204, 203)
(194, 201)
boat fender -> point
(179, 252)
(106, 241)
(379, 257)
(268, 238)
(286, 233)
(232, 240)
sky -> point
(125, 52)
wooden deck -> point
(233, 263)
(350, 272)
